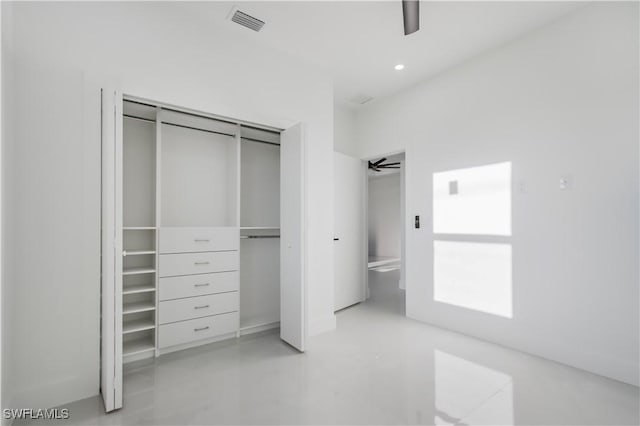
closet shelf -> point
(138, 228)
(137, 252)
(138, 346)
(138, 271)
(137, 325)
(257, 228)
(142, 288)
(135, 307)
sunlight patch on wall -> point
(475, 200)
(473, 275)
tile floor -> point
(378, 367)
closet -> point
(195, 246)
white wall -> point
(2, 135)
(6, 393)
(63, 52)
(561, 101)
(384, 215)
(344, 129)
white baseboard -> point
(251, 329)
(321, 325)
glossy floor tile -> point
(378, 367)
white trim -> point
(257, 328)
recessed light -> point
(399, 67)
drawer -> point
(179, 333)
(196, 307)
(198, 285)
(198, 263)
(183, 240)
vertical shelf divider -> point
(238, 207)
(158, 209)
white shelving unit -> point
(182, 173)
(138, 271)
(136, 307)
(140, 232)
(259, 228)
(138, 325)
(138, 228)
(138, 346)
(137, 252)
(139, 288)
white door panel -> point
(348, 228)
(111, 321)
(292, 237)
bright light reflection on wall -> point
(474, 276)
(470, 393)
(475, 200)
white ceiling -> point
(359, 42)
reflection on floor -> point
(378, 367)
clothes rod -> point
(197, 115)
(259, 141)
(133, 117)
(201, 130)
(244, 237)
(200, 114)
(246, 126)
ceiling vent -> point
(246, 20)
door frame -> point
(403, 219)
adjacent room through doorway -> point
(385, 231)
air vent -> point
(246, 20)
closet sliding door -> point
(292, 237)
(111, 279)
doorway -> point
(385, 235)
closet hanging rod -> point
(138, 102)
(201, 130)
(259, 141)
(133, 117)
(246, 126)
(223, 119)
(244, 237)
(192, 114)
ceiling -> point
(359, 42)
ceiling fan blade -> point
(411, 16)
(389, 167)
(382, 160)
(391, 164)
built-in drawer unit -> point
(198, 285)
(196, 307)
(182, 332)
(183, 240)
(198, 263)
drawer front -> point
(198, 285)
(182, 332)
(196, 307)
(183, 240)
(198, 263)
